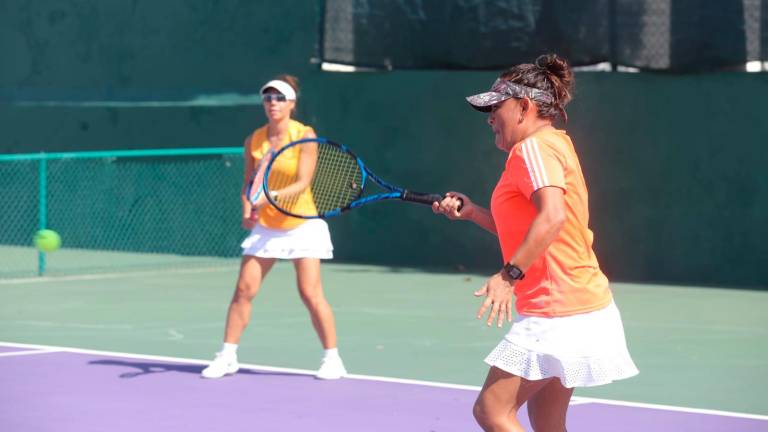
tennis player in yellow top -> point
(275, 235)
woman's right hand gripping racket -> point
(318, 178)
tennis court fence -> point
(120, 210)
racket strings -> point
(278, 180)
(337, 180)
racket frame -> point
(249, 194)
(394, 192)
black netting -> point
(460, 34)
(673, 35)
(763, 25)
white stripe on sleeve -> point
(528, 157)
(540, 168)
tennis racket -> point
(329, 181)
(255, 186)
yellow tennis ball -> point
(47, 240)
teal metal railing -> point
(157, 201)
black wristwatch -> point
(514, 271)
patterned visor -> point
(503, 90)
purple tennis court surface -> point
(75, 391)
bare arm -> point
(550, 217)
(481, 216)
(248, 166)
(546, 225)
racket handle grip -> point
(423, 198)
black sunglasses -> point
(276, 97)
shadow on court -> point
(146, 368)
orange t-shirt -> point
(284, 171)
(566, 279)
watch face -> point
(513, 271)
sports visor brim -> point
(483, 102)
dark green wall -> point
(675, 163)
(148, 49)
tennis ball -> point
(47, 240)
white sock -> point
(331, 353)
(229, 349)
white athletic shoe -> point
(331, 368)
(220, 366)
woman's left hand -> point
(498, 292)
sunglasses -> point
(273, 97)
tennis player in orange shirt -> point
(567, 332)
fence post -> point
(42, 213)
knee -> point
(479, 413)
(245, 291)
(491, 419)
(312, 298)
(311, 294)
(483, 417)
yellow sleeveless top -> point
(284, 170)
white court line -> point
(100, 276)
(577, 400)
(673, 408)
(30, 352)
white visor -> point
(281, 86)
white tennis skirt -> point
(582, 350)
(311, 239)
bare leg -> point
(311, 292)
(501, 397)
(252, 273)
(547, 408)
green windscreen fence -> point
(120, 210)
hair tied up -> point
(541, 62)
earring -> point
(522, 116)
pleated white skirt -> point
(311, 239)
